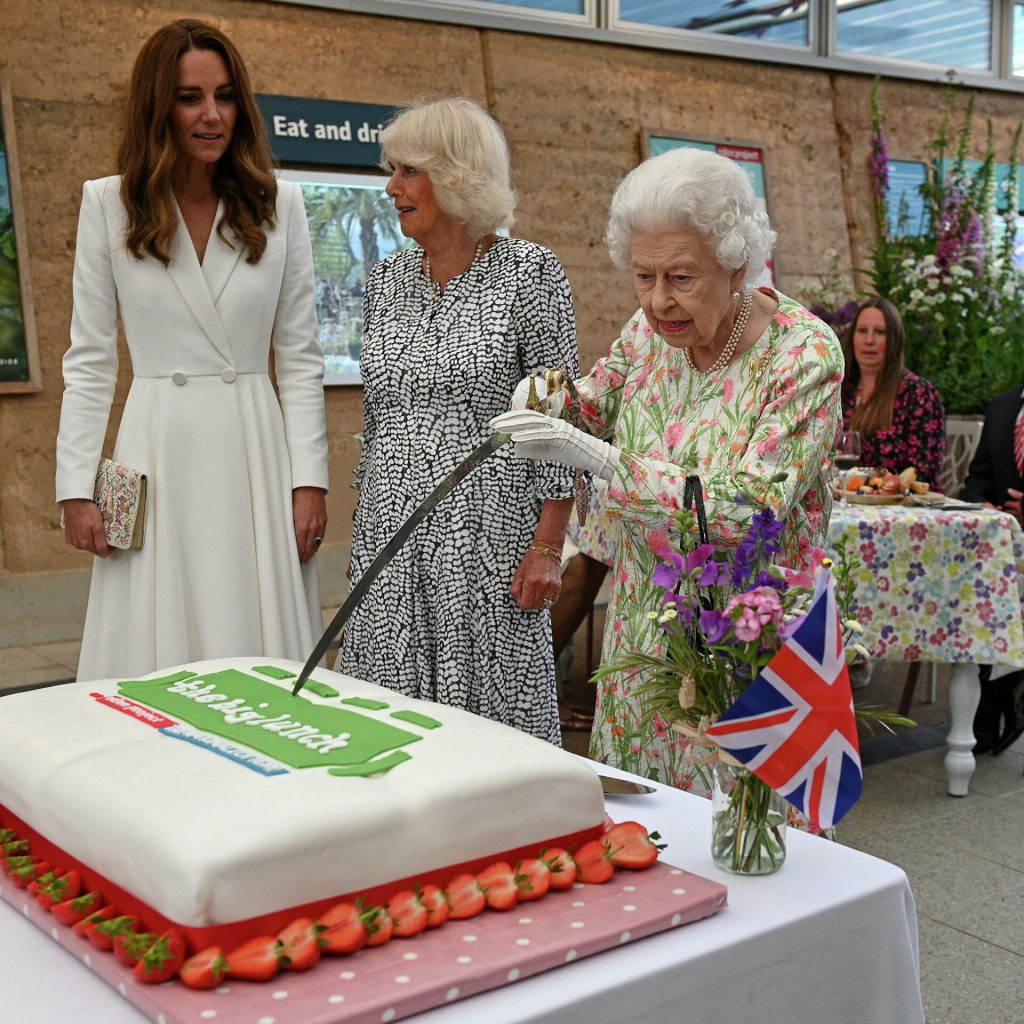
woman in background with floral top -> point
(898, 414)
(710, 377)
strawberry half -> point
(593, 862)
(561, 866)
(632, 847)
(129, 946)
(13, 848)
(102, 934)
(436, 903)
(498, 883)
(204, 970)
(60, 889)
(344, 929)
(255, 960)
(379, 927)
(465, 897)
(23, 871)
(407, 913)
(533, 879)
(42, 881)
(103, 914)
(72, 911)
(299, 945)
(162, 960)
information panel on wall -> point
(334, 133)
(750, 157)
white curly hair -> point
(691, 188)
(464, 152)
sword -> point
(386, 553)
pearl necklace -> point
(734, 337)
(435, 286)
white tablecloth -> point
(831, 937)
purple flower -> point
(666, 576)
(714, 574)
(684, 606)
(879, 164)
(714, 625)
(698, 556)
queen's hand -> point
(543, 439)
(551, 405)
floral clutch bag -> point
(121, 496)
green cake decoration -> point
(415, 718)
(255, 714)
(368, 703)
(321, 689)
(273, 672)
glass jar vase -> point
(748, 824)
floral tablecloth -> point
(937, 585)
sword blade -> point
(386, 553)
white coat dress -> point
(218, 574)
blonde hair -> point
(463, 151)
(692, 188)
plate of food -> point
(878, 487)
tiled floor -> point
(964, 856)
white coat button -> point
(178, 378)
(228, 375)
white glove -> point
(537, 436)
(552, 406)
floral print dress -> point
(917, 436)
(758, 433)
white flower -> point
(916, 295)
(853, 626)
(932, 282)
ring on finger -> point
(548, 603)
(317, 541)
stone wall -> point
(573, 113)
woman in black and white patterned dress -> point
(460, 615)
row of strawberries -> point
(345, 928)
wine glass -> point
(847, 456)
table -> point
(832, 936)
(944, 585)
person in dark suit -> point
(995, 478)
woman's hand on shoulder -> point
(309, 513)
(83, 526)
(537, 581)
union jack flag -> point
(794, 725)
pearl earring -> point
(735, 296)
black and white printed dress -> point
(439, 623)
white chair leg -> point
(932, 684)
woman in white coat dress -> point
(206, 258)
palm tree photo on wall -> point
(19, 363)
(352, 226)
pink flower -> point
(674, 433)
(727, 389)
(660, 545)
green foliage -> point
(955, 283)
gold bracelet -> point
(543, 549)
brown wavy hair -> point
(244, 177)
(876, 413)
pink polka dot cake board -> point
(411, 975)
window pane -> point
(559, 6)
(950, 33)
(1018, 38)
(768, 20)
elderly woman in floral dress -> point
(710, 377)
